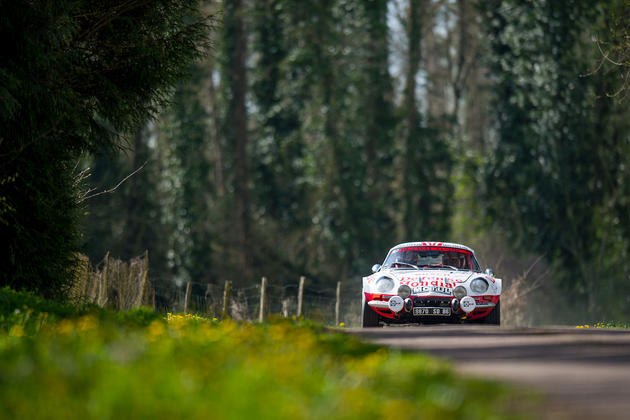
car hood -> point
(431, 275)
(433, 282)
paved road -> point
(585, 372)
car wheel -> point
(494, 317)
(369, 318)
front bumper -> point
(484, 305)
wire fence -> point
(124, 285)
(327, 305)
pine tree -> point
(77, 76)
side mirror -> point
(489, 272)
(375, 268)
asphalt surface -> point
(585, 373)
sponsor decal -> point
(448, 291)
(408, 279)
(431, 248)
(427, 281)
(439, 285)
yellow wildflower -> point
(16, 331)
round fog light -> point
(455, 305)
(408, 305)
(404, 291)
(459, 292)
(396, 304)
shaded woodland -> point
(314, 135)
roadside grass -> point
(606, 324)
(89, 363)
(27, 312)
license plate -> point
(431, 311)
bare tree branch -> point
(87, 195)
(605, 58)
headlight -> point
(384, 284)
(479, 286)
(404, 291)
(459, 292)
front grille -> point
(431, 301)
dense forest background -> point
(316, 134)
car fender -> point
(365, 284)
(498, 285)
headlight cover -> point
(384, 284)
(479, 286)
(459, 292)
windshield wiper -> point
(439, 266)
(403, 263)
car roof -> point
(433, 244)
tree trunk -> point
(136, 201)
(236, 125)
(407, 222)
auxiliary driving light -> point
(408, 304)
(404, 291)
(455, 304)
(459, 292)
(396, 304)
(467, 304)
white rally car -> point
(430, 282)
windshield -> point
(431, 257)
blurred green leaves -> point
(94, 366)
(557, 171)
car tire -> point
(370, 318)
(494, 317)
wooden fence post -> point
(300, 296)
(103, 296)
(338, 304)
(285, 308)
(205, 300)
(226, 299)
(141, 297)
(263, 299)
(187, 298)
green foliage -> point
(139, 317)
(614, 44)
(606, 324)
(31, 312)
(76, 76)
(325, 135)
(556, 176)
(39, 235)
(319, 153)
(327, 131)
(86, 367)
(128, 221)
(182, 198)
